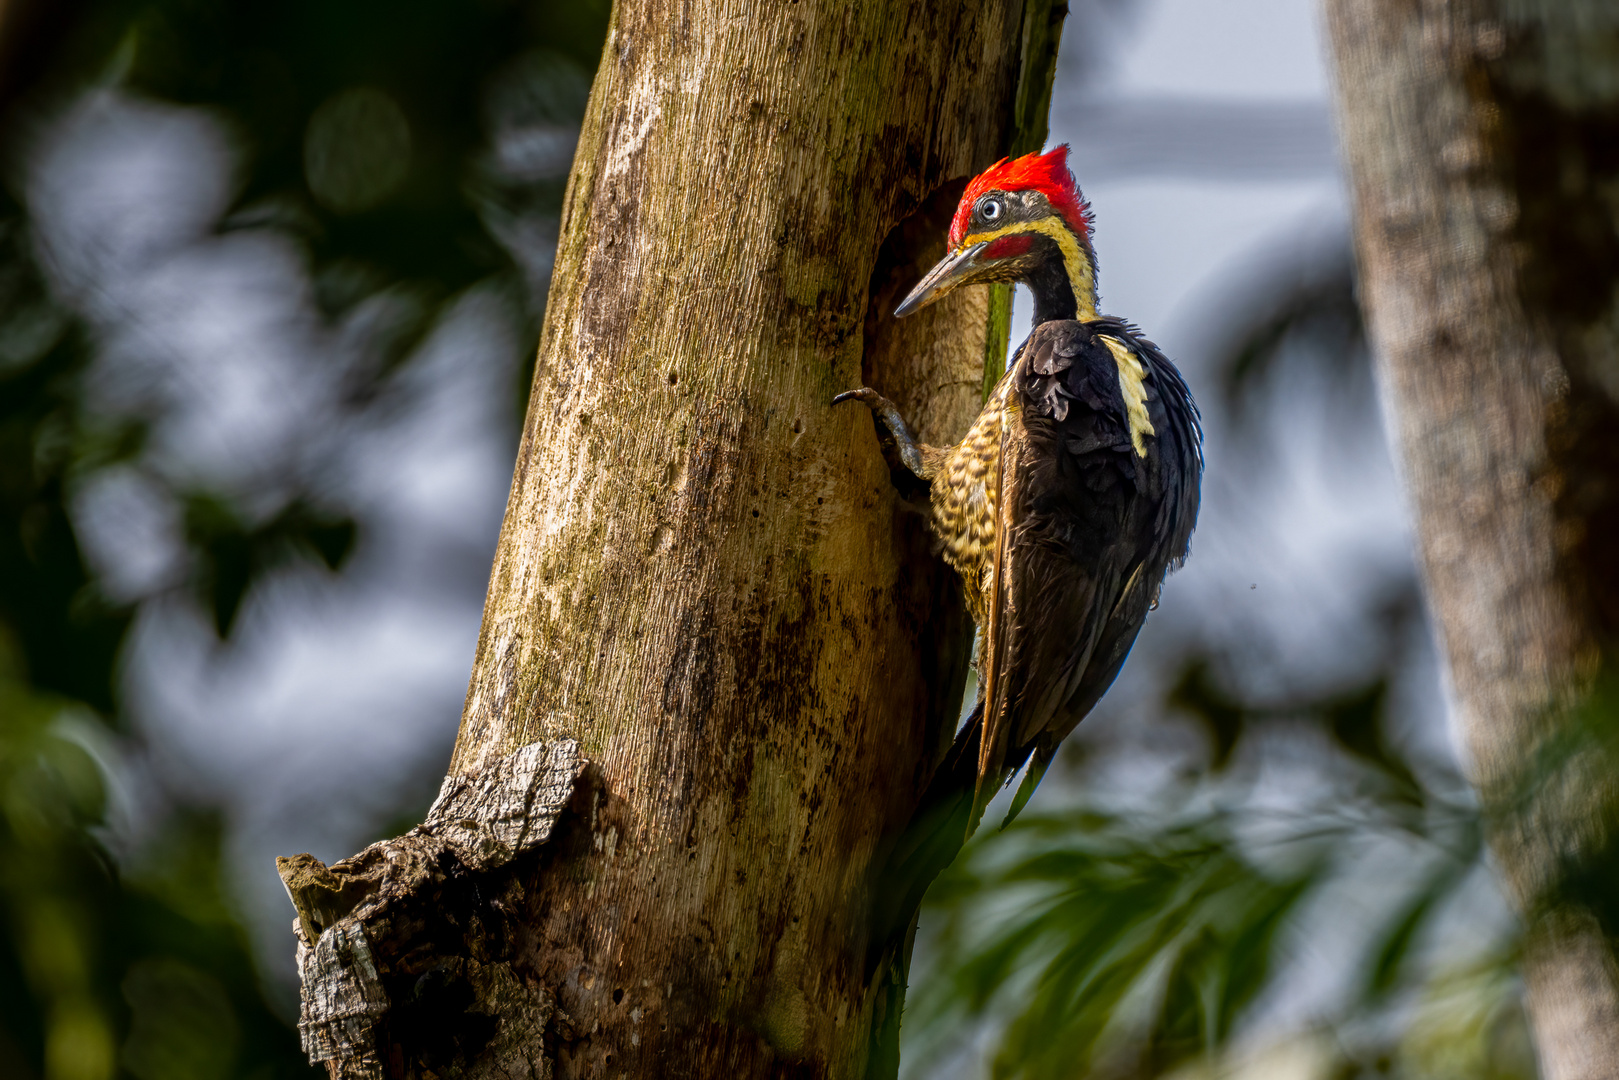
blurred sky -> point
(332, 707)
(1202, 136)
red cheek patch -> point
(1009, 246)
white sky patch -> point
(1225, 48)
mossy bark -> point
(1482, 139)
(707, 581)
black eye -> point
(990, 210)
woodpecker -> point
(1073, 494)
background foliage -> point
(373, 136)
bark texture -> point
(414, 906)
(1482, 139)
(707, 581)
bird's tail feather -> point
(929, 843)
(946, 817)
(1031, 779)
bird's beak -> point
(952, 270)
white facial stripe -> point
(1081, 276)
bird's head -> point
(1020, 220)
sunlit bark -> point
(707, 592)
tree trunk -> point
(1482, 140)
(719, 660)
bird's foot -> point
(910, 452)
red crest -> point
(1046, 173)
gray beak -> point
(950, 271)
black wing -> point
(1101, 464)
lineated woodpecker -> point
(1073, 494)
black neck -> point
(1047, 278)
(1053, 292)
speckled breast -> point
(964, 493)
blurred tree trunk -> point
(1482, 140)
(718, 660)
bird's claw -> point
(865, 394)
(886, 414)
